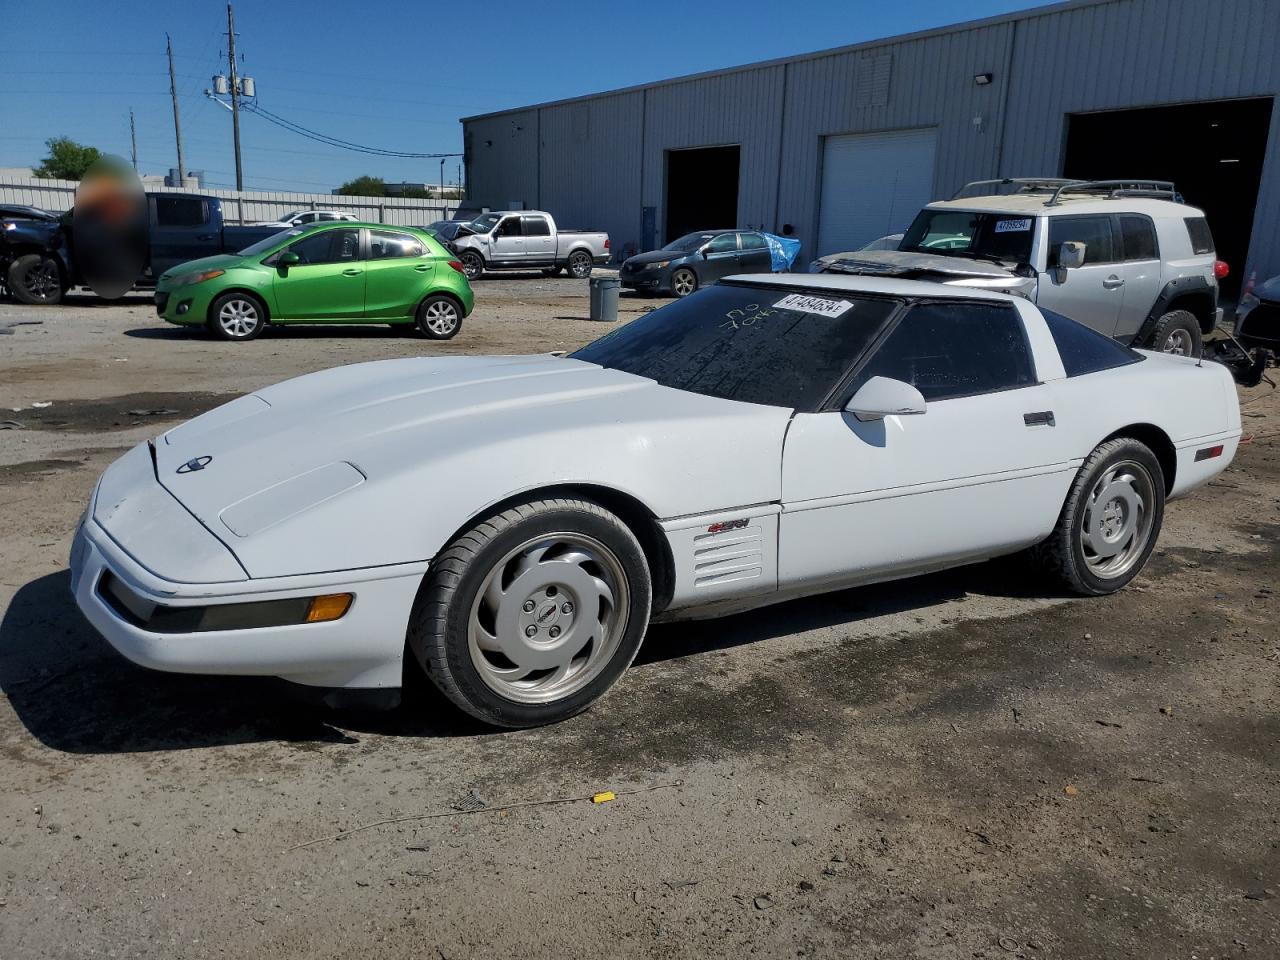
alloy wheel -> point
(1178, 343)
(684, 283)
(579, 265)
(548, 617)
(42, 279)
(1118, 520)
(238, 318)
(441, 317)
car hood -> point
(909, 264)
(653, 256)
(298, 477)
(221, 261)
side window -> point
(328, 246)
(753, 241)
(1094, 232)
(1084, 350)
(307, 218)
(948, 350)
(326, 216)
(510, 228)
(1201, 238)
(723, 243)
(384, 245)
(536, 227)
(180, 211)
(1138, 235)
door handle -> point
(204, 236)
(352, 272)
(1112, 282)
(423, 267)
(1039, 419)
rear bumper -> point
(362, 650)
(1197, 463)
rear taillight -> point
(1220, 269)
(457, 265)
(606, 243)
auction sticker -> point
(1013, 226)
(803, 304)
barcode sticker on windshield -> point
(803, 304)
(1013, 226)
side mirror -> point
(1071, 255)
(882, 397)
(706, 253)
(288, 259)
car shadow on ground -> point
(367, 331)
(75, 694)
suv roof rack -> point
(1057, 186)
(1024, 184)
(1119, 188)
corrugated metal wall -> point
(1090, 55)
(59, 195)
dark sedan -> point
(696, 260)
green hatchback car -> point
(323, 273)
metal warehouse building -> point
(845, 145)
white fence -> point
(248, 206)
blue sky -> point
(389, 74)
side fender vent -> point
(727, 556)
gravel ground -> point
(962, 765)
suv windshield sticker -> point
(803, 304)
(1013, 226)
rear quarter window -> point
(1084, 350)
(1201, 237)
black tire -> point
(1178, 332)
(552, 271)
(580, 264)
(236, 316)
(35, 279)
(1065, 555)
(440, 626)
(439, 317)
(472, 264)
(683, 282)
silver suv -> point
(1127, 258)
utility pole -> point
(177, 128)
(133, 140)
(235, 92)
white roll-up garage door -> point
(873, 184)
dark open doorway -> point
(1212, 151)
(702, 190)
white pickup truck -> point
(527, 240)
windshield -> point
(780, 346)
(689, 242)
(262, 246)
(484, 224)
(961, 233)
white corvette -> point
(516, 522)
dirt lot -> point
(955, 766)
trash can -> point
(604, 298)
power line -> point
(337, 142)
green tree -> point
(364, 187)
(67, 160)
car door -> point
(398, 273)
(180, 231)
(507, 244)
(719, 258)
(979, 473)
(753, 254)
(539, 244)
(1140, 271)
(1091, 294)
(328, 281)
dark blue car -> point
(696, 260)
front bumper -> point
(362, 650)
(186, 305)
(649, 281)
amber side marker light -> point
(332, 606)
